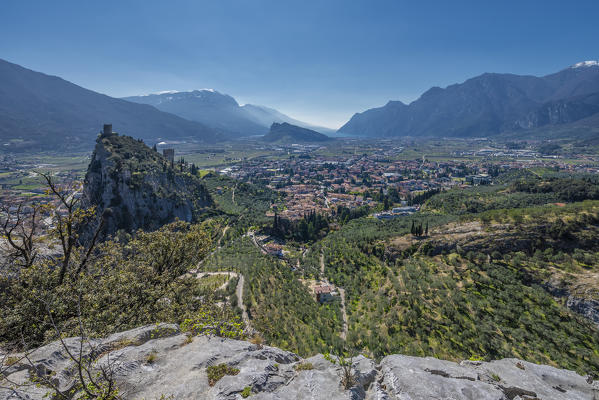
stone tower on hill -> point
(169, 154)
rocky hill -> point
(136, 187)
(287, 133)
(487, 105)
(42, 111)
(161, 362)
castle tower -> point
(169, 154)
(107, 129)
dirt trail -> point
(238, 292)
(200, 275)
(222, 236)
(252, 235)
(344, 314)
(341, 290)
(218, 247)
(244, 314)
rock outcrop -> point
(159, 361)
(135, 187)
(581, 302)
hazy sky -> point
(319, 61)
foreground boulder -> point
(159, 361)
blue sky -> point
(316, 60)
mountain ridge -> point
(219, 110)
(45, 111)
(486, 105)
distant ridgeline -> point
(135, 187)
(287, 133)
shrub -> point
(246, 392)
(215, 321)
(304, 366)
(348, 378)
(188, 340)
(216, 372)
(257, 340)
(11, 360)
(151, 357)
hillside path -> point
(238, 292)
(244, 314)
(252, 235)
(344, 314)
(341, 290)
(200, 275)
(218, 247)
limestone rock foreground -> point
(158, 361)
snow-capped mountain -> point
(591, 63)
(218, 110)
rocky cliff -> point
(159, 361)
(135, 187)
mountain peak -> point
(162, 92)
(179, 92)
(582, 64)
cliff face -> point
(561, 112)
(135, 187)
(158, 360)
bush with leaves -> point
(217, 372)
(217, 321)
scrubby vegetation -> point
(280, 306)
(304, 366)
(478, 273)
(474, 298)
(245, 204)
(217, 372)
(517, 192)
(94, 288)
(122, 286)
